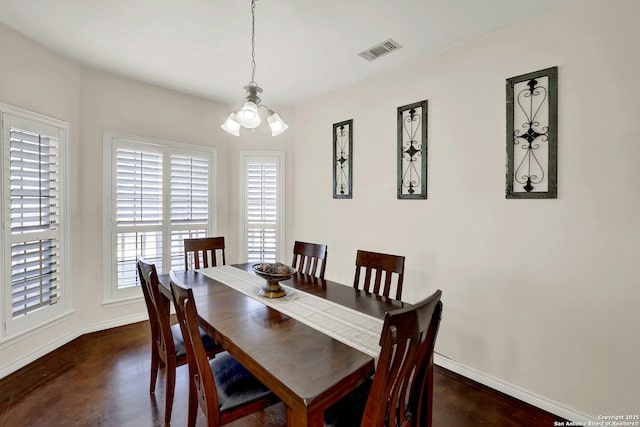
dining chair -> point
(221, 387)
(201, 252)
(307, 257)
(167, 344)
(401, 392)
(375, 266)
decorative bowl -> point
(273, 274)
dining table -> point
(306, 367)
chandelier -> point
(248, 116)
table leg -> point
(296, 418)
(300, 417)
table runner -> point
(358, 330)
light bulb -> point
(248, 116)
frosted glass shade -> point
(231, 125)
(277, 124)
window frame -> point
(262, 156)
(112, 141)
(36, 122)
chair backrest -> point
(307, 257)
(201, 252)
(402, 388)
(157, 307)
(375, 266)
(199, 368)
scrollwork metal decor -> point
(412, 151)
(342, 161)
(532, 135)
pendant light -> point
(249, 114)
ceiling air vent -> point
(380, 49)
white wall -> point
(541, 295)
(37, 79)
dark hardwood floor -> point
(102, 379)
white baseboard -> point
(513, 391)
(42, 351)
(113, 323)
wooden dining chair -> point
(222, 387)
(201, 252)
(401, 392)
(308, 257)
(167, 344)
(377, 265)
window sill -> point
(122, 301)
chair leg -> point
(430, 395)
(170, 389)
(155, 363)
(193, 403)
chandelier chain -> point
(253, 43)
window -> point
(262, 186)
(34, 282)
(157, 194)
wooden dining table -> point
(306, 369)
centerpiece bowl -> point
(273, 274)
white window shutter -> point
(190, 202)
(33, 280)
(263, 206)
(35, 220)
(139, 198)
(189, 190)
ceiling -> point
(304, 48)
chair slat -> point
(197, 252)
(309, 257)
(375, 265)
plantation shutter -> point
(35, 215)
(138, 212)
(262, 211)
(189, 203)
